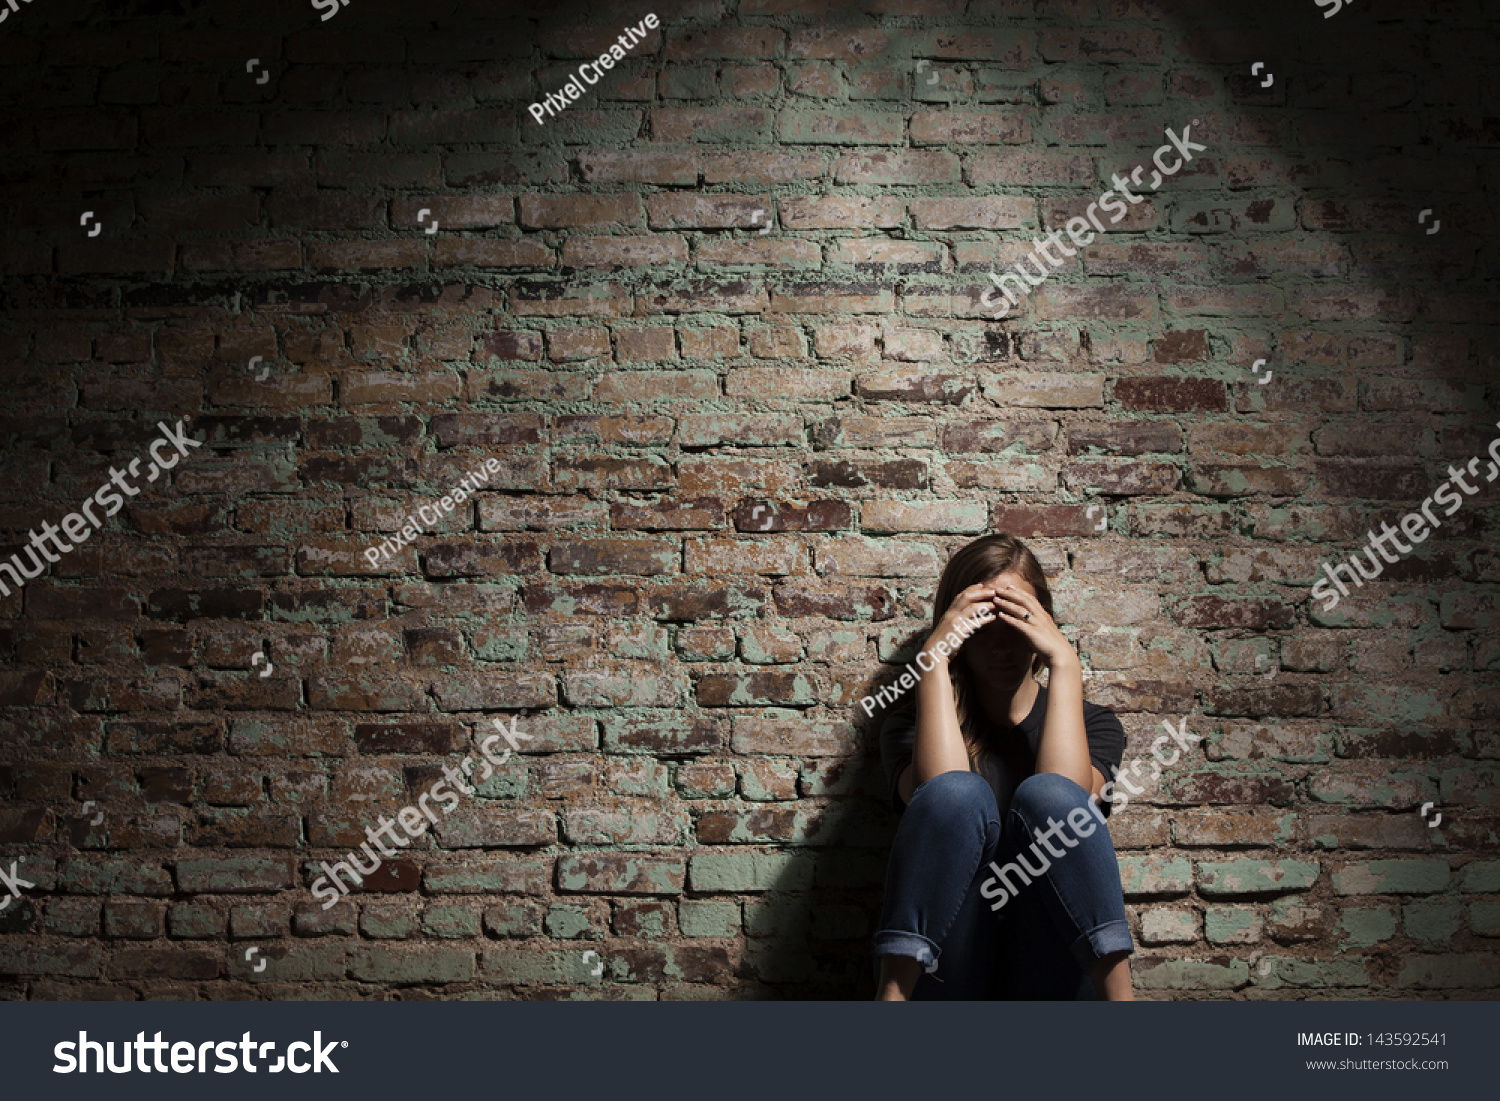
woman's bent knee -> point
(954, 795)
(1048, 793)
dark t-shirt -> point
(1010, 754)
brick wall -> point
(731, 463)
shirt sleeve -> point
(1106, 737)
(898, 738)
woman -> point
(984, 763)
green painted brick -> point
(1482, 876)
(1169, 925)
(835, 777)
(1392, 877)
(242, 875)
(571, 922)
(404, 965)
(752, 788)
(451, 920)
(1458, 972)
(387, 922)
(257, 921)
(1255, 877)
(1155, 875)
(500, 646)
(111, 876)
(494, 874)
(1484, 918)
(510, 782)
(1232, 925)
(621, 873)
(79, 917)
(1433, 920)
(1274, 972)
(1364, 926)
(74, 961)
(1179, 519)
(709, 918)
(1190, 974)
(525, 966)
(733, 872)
(633, 824)
(641, 777)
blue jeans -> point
(1045, 939)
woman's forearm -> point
(1064, 747)
(940, 744)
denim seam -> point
(1046, 876)
(989, 823)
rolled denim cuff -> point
(1101, 941)
(895, 942)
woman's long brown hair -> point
(972, 564)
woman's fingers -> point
(1020, 596)
(1007, 600)
(972, 605)
(1019, 616)
(974, 594)
(1028, 603)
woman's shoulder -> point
(1101, 718)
